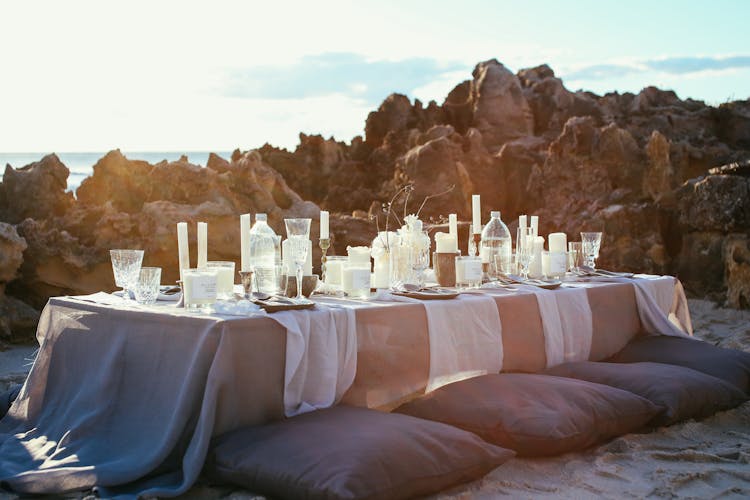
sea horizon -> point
(81, 163)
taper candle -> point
(476, 214)
(453, 225)
(324, 232)
(202, 244)
(535, 224)
(245, 242)
(182, 246)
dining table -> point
(125, 398)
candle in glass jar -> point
(453, 225)
(324, 230)
(202, 244)
(245, 242)
(182, 246)
(381, 278)
(476, 214)
(355, 280)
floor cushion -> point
(7, 398)
(727, 364)
(683, 392)
(347, 452)
(535, 414)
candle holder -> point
(246, 278)
(325, 244)
(477, 241)
(181, 302)
(444, 264)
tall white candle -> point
(182, 246)
(535, 224)
(245, 242)
(535, 270)
(453, 225)
(202, 244)
(557, 242)
(522, 221)
(324, 232)
(476, 214)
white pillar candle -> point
(545, 263)
(445, 243)
(476, 214)
(324, 232)
(202, 244)
(453, 225)
(535, 270)
(355, 281)
(557, 242)
(535, 224)
(245, 242)
(522, 221)
(182, 247)
(359, 256)
(288, 259)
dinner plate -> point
(546, 284)
(436, 294)
(272, 306)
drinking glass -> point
(224, 278)
(147, 285)
(298, 232)
(590, 243)
(575, 256)
(125, 266)
(525, 250)
(420, 261)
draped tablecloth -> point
(126, 399)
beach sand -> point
(704, 459)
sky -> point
(196, 76)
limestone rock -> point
(12, 247)
(500, 110)
(737, 269)
(658, 178)
(37, 190)
(716, 203)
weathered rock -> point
(36, 190)
(18, 320)
(500, 110)
(394, 115)
(715, 203)
(12, 247)
(737, 270)
(658, 178)
(700, 264)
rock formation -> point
(667, 180)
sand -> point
(694, 459)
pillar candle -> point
(453, 225)
(557, 242)
(535, 224)
(445, 243)
(476, 214)
(182, 246)
(202, 244)
(245, 242)
(522, 221)
(324, 232)
(535, 270)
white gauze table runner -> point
(465, 337)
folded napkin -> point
(321, 357)
(465, 336)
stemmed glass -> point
(590, 243)
(126, 266)
(525, 250)
(420, 261)
(298, 233)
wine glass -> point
(126, 266)
(298, 234)
(525, 250)
(590, 244)
(420, 260)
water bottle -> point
(263, 254)
(496, 246)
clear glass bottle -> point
(263, 254)
(496, 241)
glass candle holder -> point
(468, 271)
(199, 288)
(334, 267)
(224, 278)
(355, 280)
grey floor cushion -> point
(347, 452)
(727, 364)
(683, 392)
(535, 414)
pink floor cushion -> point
(535, 414)
(347, 452)
(730, 365)
(684, 393)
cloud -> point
(671, 65)
(335, 73)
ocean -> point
(81, 164)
